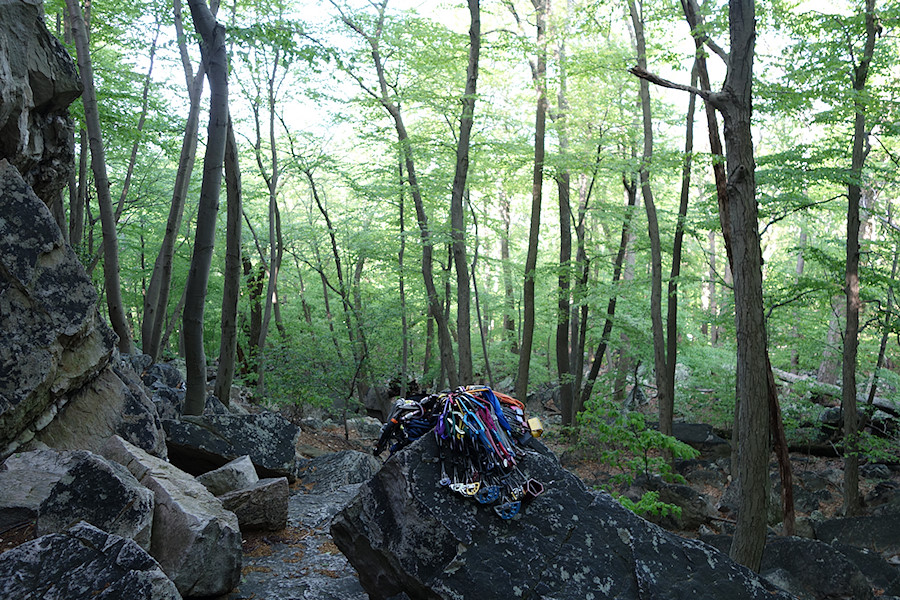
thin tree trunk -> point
(738, 212)
(404, 321)
(564, 281)
(582, 266)
(145, 100)
(351, 323)
(665, 401)
(509, 322)
(101, 181)
(828, 366)
(272, 185)
(672, 297)
(852, 502)
(481, 324)
(212, 48)
(457, 214)
(631, 193)
(537, 184)
(798, 273)
(156, 301)
(173, 322)
(445, 343)
(232, 280)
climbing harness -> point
(480, 435)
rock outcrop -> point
(59, 489)
(52, 339)
(199, 444)
(83, 563)
(38, 81)
(196, 541)
(406, 534)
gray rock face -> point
(262, 506)
(82, 563)
(238, 474)
(880, 533)
(199, 444)
(195, 540)
(813, 570)
(109, 404)
(702, 437)
(63, 488)
(404, 533)
(52, 340)
(331, 471)
(39, 82)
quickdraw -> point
(479, 433)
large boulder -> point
(334, 470)
(701, 437)
(261, 506)
(60, 489)
(52, 339)
(880, 533)
(38, 82)
(110, 404)
(239, 473)
(813, 570)
(199, 444)
(196, 541)
(83, 563)
(405, 533)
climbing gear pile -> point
(480, 435)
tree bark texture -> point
(564, 340)
(156, 300)
(665, 402)
(852, 503)
(111, 280)
(734, 101)
(212, 47)
(232, 285)
(537, 184)
(457, 213)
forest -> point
(591, 197)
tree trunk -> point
(537, 184)
(145, 96)
(631, 195)
(212, 47)
(481, 324)
(101, 181)
(665, 402)
(852, 503)
(798, 273)
(404, 321)
(564, 346)
(888, 318)
(232, 280)
(271, 180)
(509, 311)
(828, 366)
(457, 221)
(156, 301)
(445, 343)
(672, 296)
